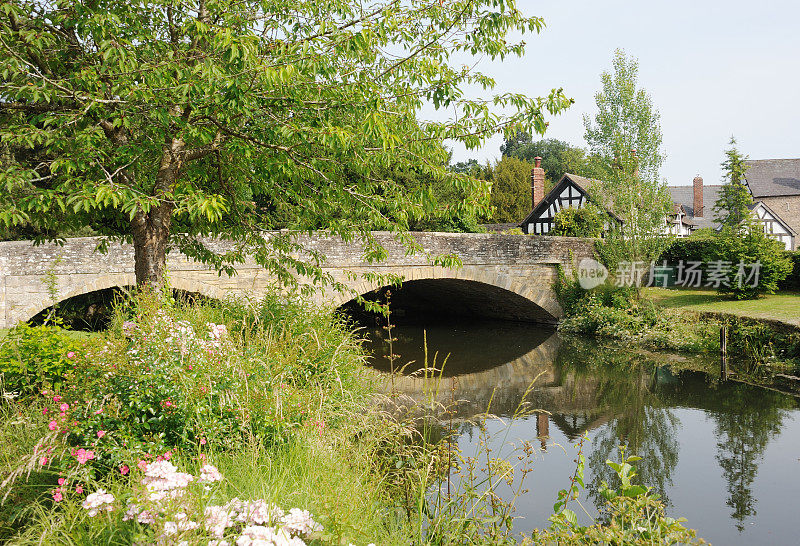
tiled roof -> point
(771, 177)
(684, 196)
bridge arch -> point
(468, 291)
(67, 290)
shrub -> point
(32, 358)
(750, 247)
(587, 221)
(792, 281)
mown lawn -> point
(784, 306)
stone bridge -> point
(502, 276)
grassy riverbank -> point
(783, 307)
(231, 422)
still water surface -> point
(722, 454)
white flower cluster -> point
(259, 535)
(300, 522)
(97, 502)
(210, 474)
(163, 504)
(162, 479)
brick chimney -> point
(537, 182)
(697, 204)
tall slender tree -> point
(732, 208)
(626, 134)
(162, 122)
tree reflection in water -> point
(626, 386)
(745, 423)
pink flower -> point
(142, 464)
(43, 460)
(71, 354)
(124, 469)
(101, 433)
(61, 481)
(52, 425)
(79, 490)
(98, 412)
(190, 366)
(202, 441)
(56, 399)
(57, 496)
(64, 407)
(44, 411)
(84, 455)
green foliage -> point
(632, 515)
(792, 281)
(209, 376)
(699, 247)
(558, 158)
(626, 134)
(165, 122)
(617, 313)
(511, 190)
(734, 247)
(732, 209)
(32, 358)
(587, 221)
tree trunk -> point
(150, 240)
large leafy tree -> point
(626, 134)
(558, 157)
(511, 190)
(162, 122)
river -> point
(722, 454)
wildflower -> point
(64, 407)
(71, 354)
(43, 460)
(257, 512)
(164, 476)
(146, 517)
(142, 464)
(202, 441)
(52, 425)
(57, 496)
(209, 473)
(56, 399)
(98, 412)
(124, 469)
(79, 489)
(258, 534)
(44, 411)
(101, 433)
(84, 455)
(97, 502)
(217, 519)
(61, 481)
(301, 522)
(132, 512)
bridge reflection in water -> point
(489, 367)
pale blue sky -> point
(712, 68)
